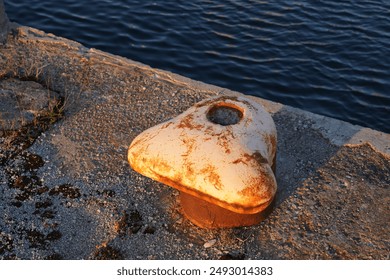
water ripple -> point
(330, 57)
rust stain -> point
(166, 125)
(216, 100)
(260, 187)
(190, 145)
(188, 122)
(274, 144)
(253, 158)
(147, 137)
(137, 154)
(223, 138)
(158, 164)
(224, 142)
(190, 172)
(239, 160)
(135, 142)
(271, 143)
(210, 131)
(212, 176)
(258, 157)
(224, 99)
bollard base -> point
(207, 215)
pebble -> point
(210, 243)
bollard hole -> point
(224, 114)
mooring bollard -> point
(220, 154)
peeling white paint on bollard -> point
(220, 154)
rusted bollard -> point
(220, 154)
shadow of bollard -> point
(301, 151)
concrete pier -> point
(67, 191)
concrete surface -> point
(67, 191)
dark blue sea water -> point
(329, 57)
